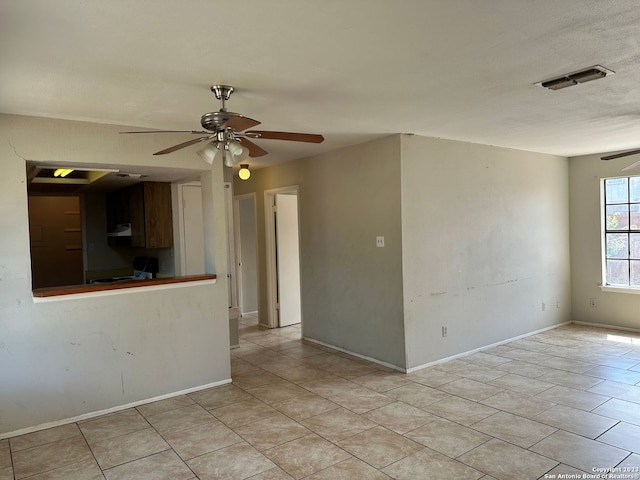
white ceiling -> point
(351, 70)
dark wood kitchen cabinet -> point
(147, 207)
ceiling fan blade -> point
(295, 137)
(240, 123)
(620, 155)
(183, 145)
(254, 150)
(169, 131)
(633, 166)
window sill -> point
(612, 289)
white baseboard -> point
(255, 312)
(610, 327)
(364, 357)
(441, 360)
(486, 347)
(119, 408)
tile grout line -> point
(90, 449)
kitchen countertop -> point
(116, 285)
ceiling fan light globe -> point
(239, 152)
(241, 156)
(208, 153)
(228, 159)
(233, 147)
(234, 153)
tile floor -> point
(557, 403)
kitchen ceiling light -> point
(62, 172)
(244, 172)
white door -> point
(287, 259)
(193, 230)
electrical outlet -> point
(544, 306)
(379, 241)
(558, 304)
(592, 302)
(444, 331)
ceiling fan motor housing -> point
(214, 121)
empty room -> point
(319, 240)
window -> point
(621, 232)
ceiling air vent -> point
(574, 78)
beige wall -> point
(485, 241)
(76, 356)
(477, 240)
(617, 309)
(351, 290)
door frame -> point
(231, 247)
(179, 233)
(270, 241)
(238, 246)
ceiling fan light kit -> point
(233, 153)
(226, 132)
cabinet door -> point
(157, 213)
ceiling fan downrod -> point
(222, 93)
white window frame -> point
(603, 244)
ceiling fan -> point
(229, 135)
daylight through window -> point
(622, 231)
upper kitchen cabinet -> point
(146, 206)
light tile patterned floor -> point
(557, 403)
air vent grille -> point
(574, 78)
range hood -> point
(121, 230)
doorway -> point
(283, 256)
